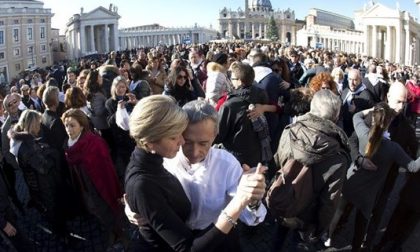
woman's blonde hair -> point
(27, 120)
(382, 116)
(156, 117)
(117, 80)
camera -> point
(126, 98)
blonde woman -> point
(41, 167)
(156, 124)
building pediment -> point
(100, 13)
(379, 10)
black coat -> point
(182, 94)
(40, 165)
(159, 198)
(236, 132)
(124, 144)
(53, 130)
(362, 101)
(378, 91)
(404, 134)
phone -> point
(126, 98)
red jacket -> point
(91, 153)
(414, 97)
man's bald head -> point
(397, 96)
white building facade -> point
(252, 22)
(25, 37)
(92, 32)
(378, 31)
(332, 31)
(390, 34)
(152, 35)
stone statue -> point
(110, 7)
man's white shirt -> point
(210, 185)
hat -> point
(220, 58)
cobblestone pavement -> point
(85, 230)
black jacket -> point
(122, 140)
(378, 91)
(182, 94)
(159, 198)
(362, 101)
(40, 165)
(53, 130)
(236, 132)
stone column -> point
(230, 29)
(238, 29)
(253, 30)
(92, 38)
(388, 51)
(408, 51)
(366, 32)
(265, 31)
(245, 30)
(398, 43)
(417, 51)
(293, 36)
(260, 31)
(75, 42)
(115, 36)
(106, 38)
(375, 41)
(82, 40)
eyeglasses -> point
(234, 79)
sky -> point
(175, 13)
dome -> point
(260, 4)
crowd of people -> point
(184, 141)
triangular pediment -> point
(380, 10)
(100, 13)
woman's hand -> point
(256, 112)
(121, 104)
(9, 229)
(133, 217)
(367, 111)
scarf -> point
(350, 95)
(91, 154)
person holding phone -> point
(123, 144)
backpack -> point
(291, 191)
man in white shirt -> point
(209, 176)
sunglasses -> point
(181, 77)
(11, 103)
